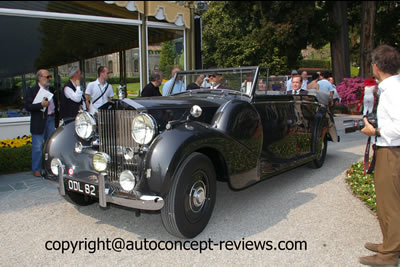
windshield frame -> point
(239, 70)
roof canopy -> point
(161, 10)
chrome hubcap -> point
(197, 196)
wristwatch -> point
(378, 132)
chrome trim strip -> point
(133, 103)
(143, 203)
(102, 193)
(61, 188)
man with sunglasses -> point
(42, 117)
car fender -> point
(171, 147)
(61, 145)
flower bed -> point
(350, 90)
(362, 185)
(16, 154)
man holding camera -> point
(385, 66)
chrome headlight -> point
(54, 164)
(127, 180)
(143, 129)
(85, 125)
(101, 161)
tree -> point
(269, 34)
(340, 42)
(167, 58)
(367, 37)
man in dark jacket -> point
(43, 116)
(152, 89)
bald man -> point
(42, 117)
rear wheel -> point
(321, 152)
(190, 202)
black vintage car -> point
(166, 153)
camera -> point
(356, 125)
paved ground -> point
(304, 204)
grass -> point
(362, 185)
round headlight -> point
(196, 111)
(101, 161)
(85, 125)
(54, 166)
(143, 129)
(127, 180)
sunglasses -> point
(48, 77)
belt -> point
(387, 146)
(51, 115)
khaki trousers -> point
(387, 189)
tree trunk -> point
(367, 37)
(340, 46)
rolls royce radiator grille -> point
(115, 138)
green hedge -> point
(16, 159)
(309, 63)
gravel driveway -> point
(315, 206)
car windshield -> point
(238, 80)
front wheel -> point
(190, 202)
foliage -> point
(314, 63)
(15, 159)
(350, 90)
(167, 57)
(266, 33)
(362, 185)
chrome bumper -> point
(143, 202)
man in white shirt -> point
(71, 98)
(178, 86)
(289, 82)
(385, 66)
(99, 92)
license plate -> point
(81, 187)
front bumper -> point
(143, 202)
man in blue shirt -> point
(178, 86)
(326, 86)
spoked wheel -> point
(190, 202)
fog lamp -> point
(101, 161)
(127, 180)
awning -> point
(161, 10)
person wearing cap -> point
(289, 82)
(368, 97)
